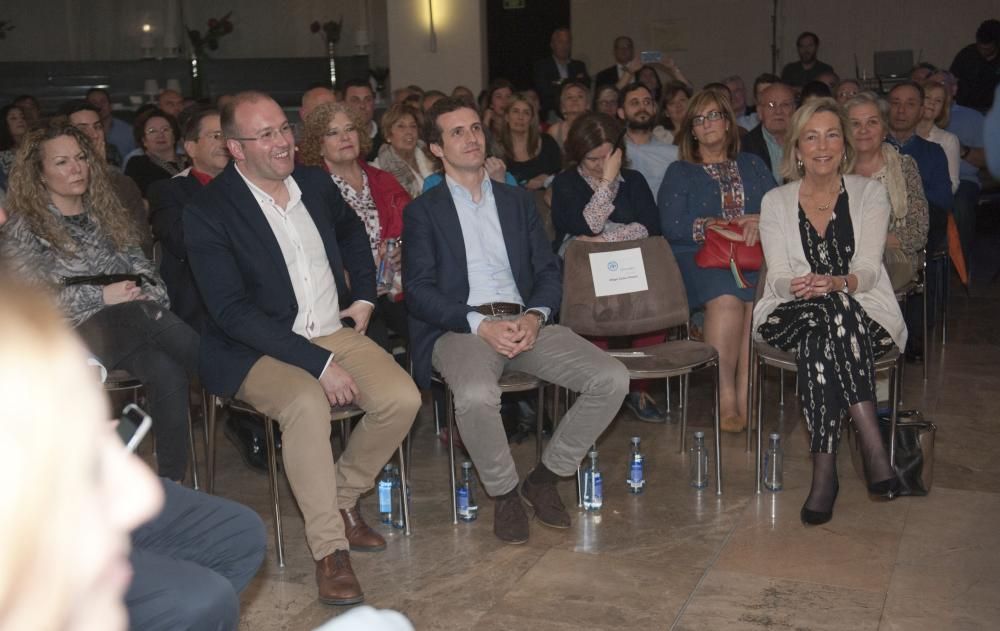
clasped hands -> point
(511, 337)
(812, 285)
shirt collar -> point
(294, 192)
(460, 192)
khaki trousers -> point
(296, 400)
(472, 370)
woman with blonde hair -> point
(404, 154)
(72, 493)
(713, 184)
(574, 101)
(68, 230)
(532, 157)
(827, 297)
(331, 140)
(934, 118)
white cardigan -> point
(786, 258)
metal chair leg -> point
(718, 437)
(668, 395)
(539, 423)
(403, 488)
(759, 396)
(927, 342)
(449, 413)
(194, 453)
(211, 411)
(684, 412)
(781, 387)
(752, 370)
(272, 474)
(894, 392)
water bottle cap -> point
(387, 467)
(699, 434)
(466, 465)
(592, 453)
(775, 436)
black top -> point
(548, 161)
(144, 171)
(755, 143)
(832, 252)
(571, 194)
(795, 74)
(977, 78)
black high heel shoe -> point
(886, 489)
(815, 518)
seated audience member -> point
(922, 71)
(595, 199)
(331, 141)
(826, 298)
(574, 100)
(68, 230)
(606, 100)
(550, 74)
(877, 159)
(533, 158)
(815, 90)
(647, 154)
(766, 141)
(462, 92)
(808, 67)
(713, 183)
(358, 94)
(977, 68)
(86, 118)
(171, 102)
(117, 131)
(430, 98)
(649, 77)
(830, 79)
(31, 109)
(933, 119)
(967, 125)
(156, 132)
(314, 97)
(676, 96)
(204, 144)
(624, 53)
(497, 99)
(761, 83)
(746, 116)
(73, 492)
(275, 338)
(846, 90)
(13, 129)
(404, 154)
(503, 266)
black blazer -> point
(435, 268)
(166, 204)
(547, 81)
(608, 76)
(754, 143)
(634, 202)
(243, 277)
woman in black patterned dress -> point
(827, 297)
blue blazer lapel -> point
(450, 226)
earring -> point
(800, 166)
(844, 159)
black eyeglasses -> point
(712, 116)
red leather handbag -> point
(724, 249)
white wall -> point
(460, 58)
(716, 38)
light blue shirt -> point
(748, 121)
(776, 153)
(651, 159)
(490, 275)
(967, 124)
(120, 135)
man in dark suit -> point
(481, 283)
(624, 51)
(549, 73)
(766, 140)
(269, 245)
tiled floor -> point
(679, 558)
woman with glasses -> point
(710, 185)
(68, 230)
(157, 133)
(330, 140)
(606, 100)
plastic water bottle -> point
(468, 510)
(699, 462)
(593, 489)
(637, 469)
(397, 498)
(385, 271)
(773, 461)
(385, 483)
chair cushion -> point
(667, 359)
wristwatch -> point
(537, 314)
(846, 288)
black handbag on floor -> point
(914, 458)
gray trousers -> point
(473, 369)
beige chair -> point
(763, 355)
(342, 414)
(660, 307)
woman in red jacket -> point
(331, 140)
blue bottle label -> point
(637, 478)
(598, 491)
(463, 501)
(385, 497)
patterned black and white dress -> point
(835, 341)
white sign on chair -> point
(620, 272)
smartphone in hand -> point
(133, 425)
(651, 56)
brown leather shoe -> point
(544, 498)
(336, 580)
(510, 522)
(359, 534)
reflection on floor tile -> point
(675, 557)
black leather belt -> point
(500, 309)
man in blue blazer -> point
(271, 247)
(481, 282)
